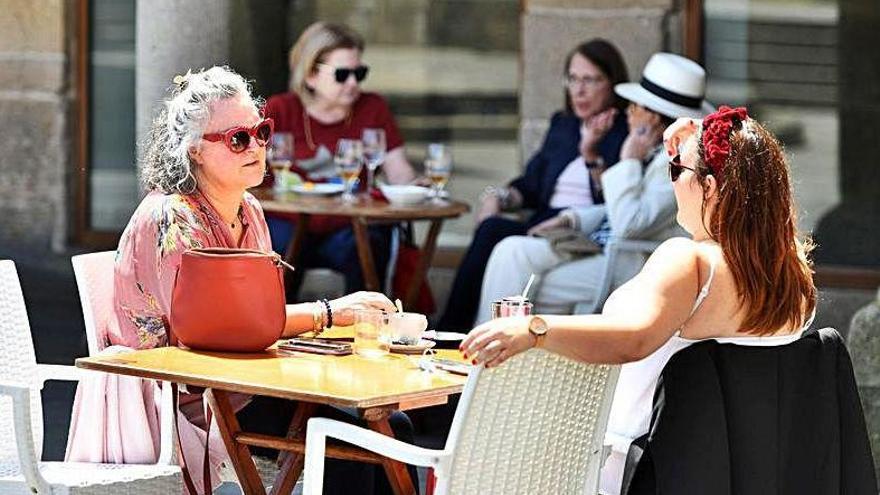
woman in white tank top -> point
(743, 278)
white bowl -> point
(405, 194)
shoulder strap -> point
(704, 290)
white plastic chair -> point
(613, 250)
(21, 419)
(94, 280)
(533, 425)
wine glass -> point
(374, 153)
(438, 167)
(349, 158)
(279, 154)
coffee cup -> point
(407, 328)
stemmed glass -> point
(349, 159)
(374, 153)
(438, 167)
(279, 154)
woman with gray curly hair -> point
(205, 149)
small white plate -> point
(413, 349)
(318, 189)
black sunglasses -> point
(341, 74)
(676, 168)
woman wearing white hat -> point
(639, 202)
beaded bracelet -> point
(329, 313)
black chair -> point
(731, 420)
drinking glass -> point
(438, 167)
(511, 306)
(279, 154)
(372, 335)
(374, 153)
(349, 160)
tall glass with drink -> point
(349, 159)
(438, 167)
(372, 335)
(374, 153)
(280, 157)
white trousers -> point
(560, 286)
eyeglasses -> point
(341, 74)
(573, 82)
(238, 139)
(676, 168)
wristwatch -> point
(538, 327)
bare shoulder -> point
(675, 253)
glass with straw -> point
(514, 305)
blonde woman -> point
(325, 103)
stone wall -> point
(550, 28)
(35, 103)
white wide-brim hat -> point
(671, 85)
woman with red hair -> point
(744, 277)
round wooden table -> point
(363, 212)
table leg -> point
(294, 247)
(290, 463)
(365, 254)
(398, 476)
(412, 292)
(239, 454)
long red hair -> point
(755, 222)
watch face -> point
(538, 326)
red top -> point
(369, 111)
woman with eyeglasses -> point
(744, 276)
(583, 140)
(325, 103)
(639, 203)
(205, 149)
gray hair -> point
(166, 165)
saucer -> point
(446, 340)
(413, 349)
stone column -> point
(551, 28)
(863, 342)
(173, 36)
(847, 235)
(35, 101)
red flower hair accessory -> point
(716, 136)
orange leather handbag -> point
(228, 300)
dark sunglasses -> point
(341, 74)
(676, 168)
(238, 139)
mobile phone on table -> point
(452, 366)
(316, 346)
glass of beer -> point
(280, 158)
(372, 335)
(349, 159)
(438, 167)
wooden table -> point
(374, 387)
(363, 212)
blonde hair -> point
(313, 44)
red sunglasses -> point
(238, 139)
